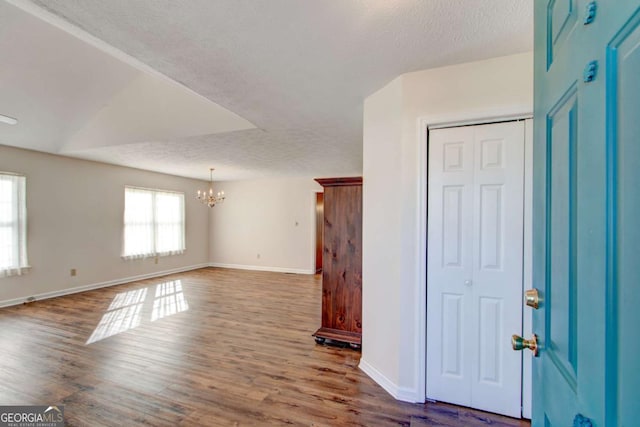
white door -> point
(474, 266)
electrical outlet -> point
(258, 256)
(74, 272)
(156, 260)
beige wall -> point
(394, 164)
(381, 201)
(274, 218)
(75, 210)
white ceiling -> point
(283, 80)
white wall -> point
(274, 218)
(380, 273)
(394, 165)
(75, 213)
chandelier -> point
(208, 197)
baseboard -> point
(399, 393)
(69, 291)
(261, 268)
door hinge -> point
(590, 14)
(590, 71)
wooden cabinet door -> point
(342, 260)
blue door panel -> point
(586, 219)
(561, 293)
(561, 18)
(624, 254)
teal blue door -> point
(587, 213)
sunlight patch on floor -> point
(128, 309)
(169, 300)
(124, 313)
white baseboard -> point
(399, 393)
(261, 268)
(69, 291)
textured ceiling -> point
(298, 70)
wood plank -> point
(239, 355)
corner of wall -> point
(265, 224)
(399, 393)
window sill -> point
(16, 271)
(145, 256)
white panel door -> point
(474, 266)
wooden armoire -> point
(342, 261)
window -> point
(153, 223)
(13, 225)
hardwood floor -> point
(210, 347)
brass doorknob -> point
(532, 298)
(519, 343)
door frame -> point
(472, 117)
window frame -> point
(18, 226)
(154, 225)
